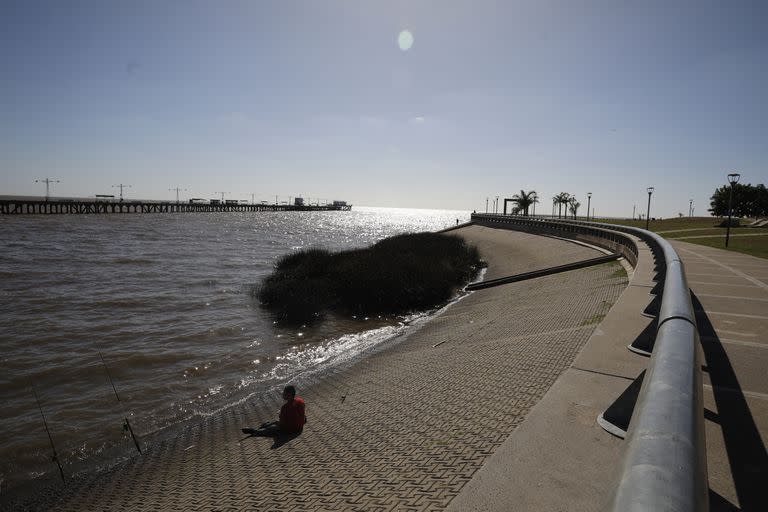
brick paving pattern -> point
(417, 420)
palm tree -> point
(524, 200)
(561, 199)
(573, 206)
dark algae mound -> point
(397, 275)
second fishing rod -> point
(126, 424)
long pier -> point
(91, 206)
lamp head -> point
(589, 194)
(650, 190)
(733, 178)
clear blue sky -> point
(316, 98)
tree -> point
(748, 201)
(524, 200)
(573, 206)
(560, 200)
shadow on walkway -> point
(746, 452)
(271, 430)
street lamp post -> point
(690, 208)
(535, 200)
(733, 179)
(648, 212)
(589, 200)
(486, 205)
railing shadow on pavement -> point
(746, 452)
(664, 464)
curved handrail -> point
(619, 241)
(664, 466)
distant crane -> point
(177, 189)
(47, 182)
(121, 187)
(222, 195)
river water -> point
(166, 300)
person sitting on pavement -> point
(291, 421)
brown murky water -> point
(166, 300)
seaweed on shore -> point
(397, 275)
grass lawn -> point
(705, 227)
(752, 245)
(714, 231)
(682, 223)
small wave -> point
(207, 282)
(117, 303)
(303, 360)
(133, 261)
(140, 360)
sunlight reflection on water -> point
(167, 299)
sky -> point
(418, 104)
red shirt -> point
(292, 418)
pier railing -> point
(89, 206)
(664, 465)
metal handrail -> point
(664, 466)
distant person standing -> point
(291, 421)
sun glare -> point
(405, 40)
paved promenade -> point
(560, 459)
(730, 296)
(402, 429)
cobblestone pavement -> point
(403, 428)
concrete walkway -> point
(730, 296)
(404, 428)
(560, 459)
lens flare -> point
(405, 40)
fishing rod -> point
(55, 457)
(127, 424)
